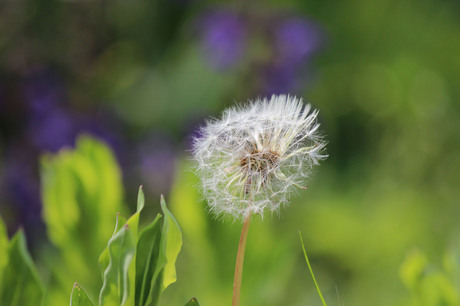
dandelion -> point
(253, 159)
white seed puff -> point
(253, 158)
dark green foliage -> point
(19, 280)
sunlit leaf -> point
(79, 297)
(157, 251)
(22, 286)
(104, 258)
(147, 259)
(116, 285)
(192, 302)
(411, 271)
(82, 192)
(428, 285)
(113, 253)
(171, 244)
(140, 199)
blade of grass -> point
(311, 271)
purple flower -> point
(223, 38)
(101, 125)
(157, 161)
(43, 91)
(279, 79)
(296, 39)
(19, 187)
(52, 132)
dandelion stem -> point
(240, 261)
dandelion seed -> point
(255, 156)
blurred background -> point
(141, 76)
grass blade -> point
(311, 271)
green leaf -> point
(413, 269)
(140, 199)
(22, 284)
(81, 192)
(3, 249)
(157, 250)
(116, 285)
(147, 258)
(104, 258)
(192, 302)
(171, 244)
(79, 297)
(133, 221)
(428, 285)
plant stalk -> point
(240, 261)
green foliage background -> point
(380, 217)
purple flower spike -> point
(223, 38)
(296, 39)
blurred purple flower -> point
(279, 79)
(157, 161)
(296, 39)
(20, 189)
(102, 126)
(43, 91)
(223, 38)
(52, 132)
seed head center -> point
(259, 162)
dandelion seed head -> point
(254, 157)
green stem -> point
(311, 271)
(240, 261)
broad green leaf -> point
(132, 223)
(82, 192)
(3, 249)
(104, 258)
(192, 302)
(79, 297)
(147, 259)
(157, 250)
(171, 244)
(428, 285)
(412, 270)
(22, 286)
(116, 284)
